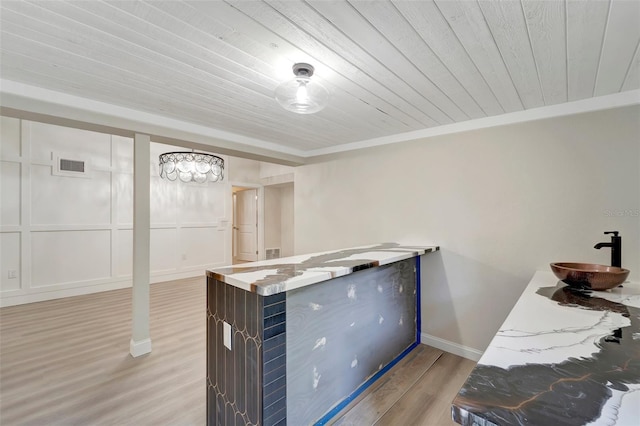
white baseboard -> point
(451, 347)
(41, 295)
(140, 348)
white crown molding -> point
(615, 100)
(23, 97)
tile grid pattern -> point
(274, 378)
(245, 385)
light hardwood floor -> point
(66, 362)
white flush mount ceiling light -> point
(301, 95)
(191, 167)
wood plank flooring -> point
(416, 391)
(67, 362)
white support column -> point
(140, 339)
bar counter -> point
(564, 356)
(290, 341)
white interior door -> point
(247, 224)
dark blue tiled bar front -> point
(245, 385)
(306, 333)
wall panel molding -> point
(111, 256)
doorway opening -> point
(244, 240)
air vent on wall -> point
(70, 165)
(273, 253)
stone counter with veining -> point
(269, 277)
(564, 356)
(289, 341)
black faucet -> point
(616, 248)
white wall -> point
(279, 223)
(270, 170)
(287, 223)
(279, 212)
(501, 203)
(68, 235)
(272, 215)
(242, 170)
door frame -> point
(260, 211)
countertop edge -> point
(236, 275)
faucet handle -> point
(615, 233)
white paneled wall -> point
(11, 248)
(63, 236)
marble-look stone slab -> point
(274, 276)
(563, 356)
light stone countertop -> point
(274, 276)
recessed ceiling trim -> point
(33, 99)
(43, 101)
(616, 100)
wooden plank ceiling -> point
(390, 66)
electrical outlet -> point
(12, 274)
(226, 327)
(184, 256)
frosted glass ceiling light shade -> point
(301, 95)
(191, 167)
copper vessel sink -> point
(589, 275)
